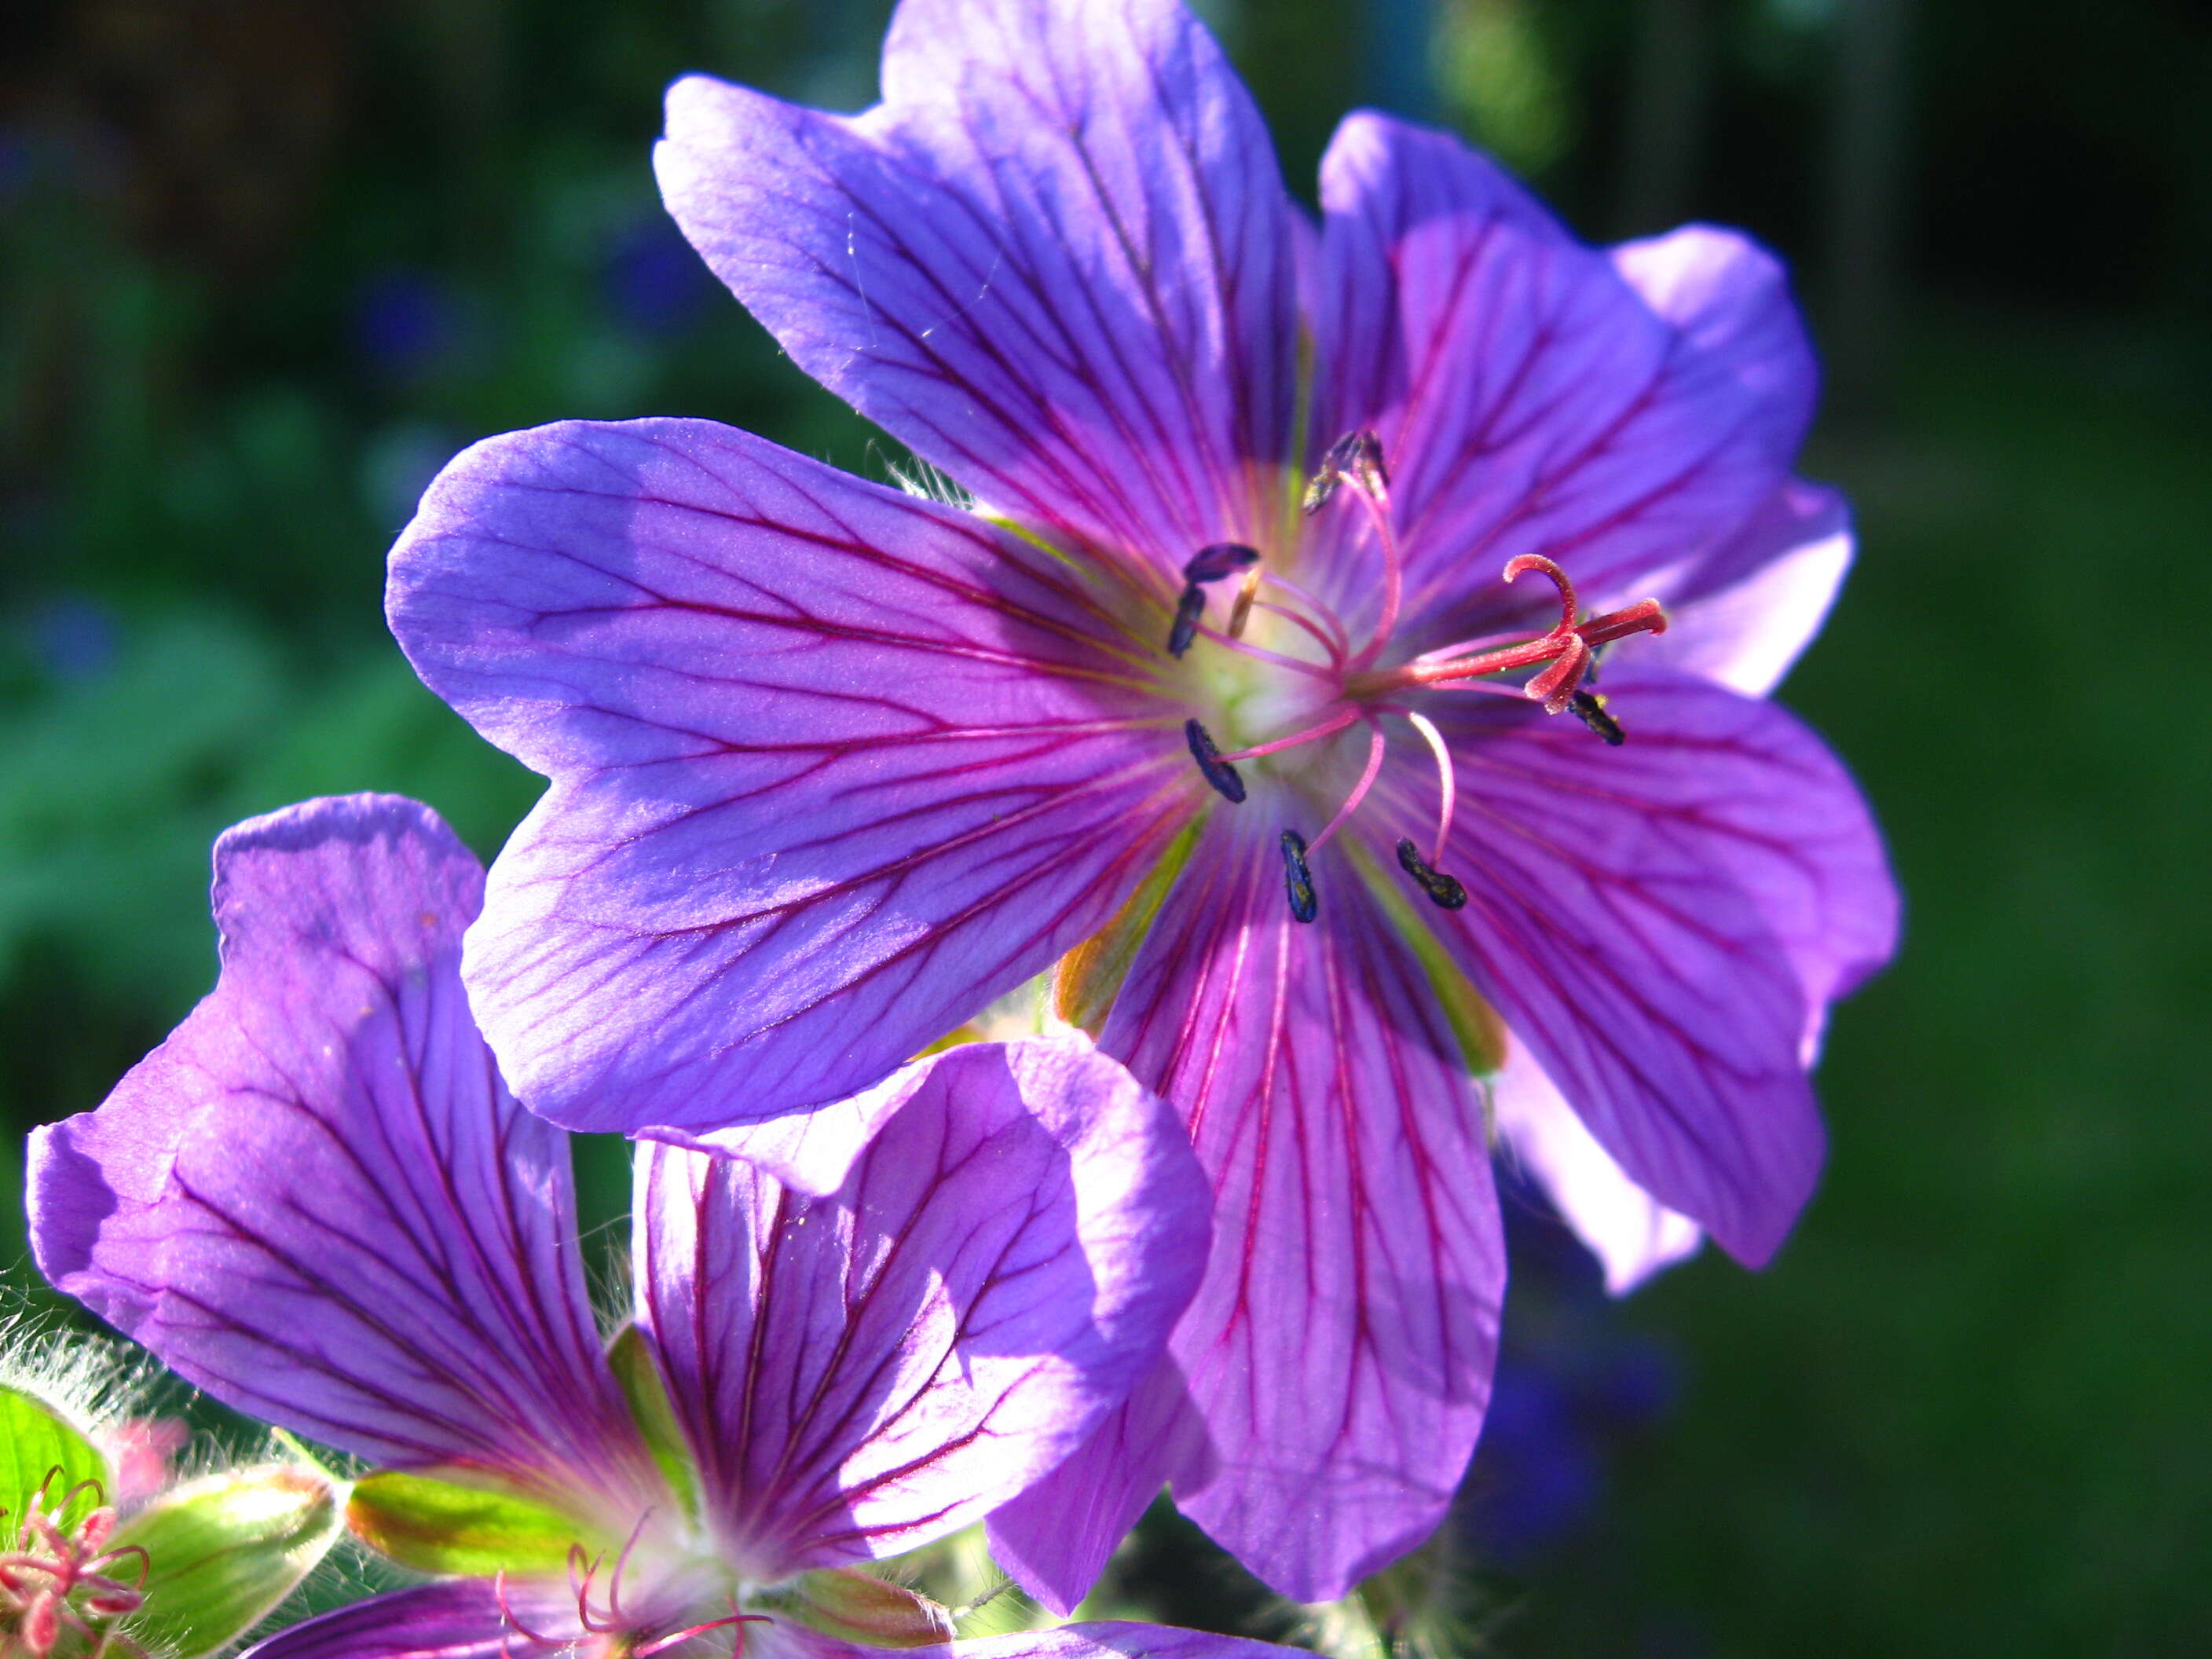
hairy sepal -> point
(457, 1521)
(223, 1552)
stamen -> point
(1329, 727)
(1393, 576)
(1335, 656)
(662, 1644)
(1312, 602)
(1356, 456)
(1589, 708)
(1375, 747)
(1215, 770)
(1443, 891)
(1447, 781)
(1297, 880)
(1212, 563)
(1209, 564)
(1184, 629)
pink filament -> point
(1375, 747)
(1447, 782)
(1329, 727)
(1393, 577)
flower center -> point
(61, 1587)
(1274, 701)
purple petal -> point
(862, 1373)
(461, 1619)
(1631, 1233)
(832, 767)
(1743, 614)
(1663, 923)
(1057, 261)
(1053, 1540)
(1530, 398)
(316, 1200)
(1339, 1353)
(1101, 1641)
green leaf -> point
(223, 1552)
(36, 1440)
(631, 1358)
(473, 1529)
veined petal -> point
(460, 1619)
(1099, 1641)
(832, 767)
(1662, 924)
(1054, 1538)
(1530, 396)
(1631, 1233)
(862, 1373)
(1339, 1353)
(1744, 614)
(1057, 261)
(317, 1201)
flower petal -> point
(1528, 398)
(1057, 261)
(1743, 614)
(1663, 923)
(316, 1200)
(832, 767)
(862, 1373)
(1339, 1353)
(459, 1620)
(1631, 1233)
(1100, 1641)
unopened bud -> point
(220, 1552)
(861, 1607)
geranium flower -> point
(318, 1202)
(1270, 695)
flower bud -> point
(862, 1608)
(221, 1552)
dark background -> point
(265, 264)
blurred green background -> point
(266, 264)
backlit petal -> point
(1101, 1641)
(1339, 1353)
(316, 1200)
(1528, 398)
(1632, 1233)
(1055, 261)
(864, 1372)
(1662, 924)
(462, 1619)
(1743, 614)
(832, 767)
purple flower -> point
(832, 766)
(318, 1202)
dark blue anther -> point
(1297, 880)
(1356, 456)
(1211, 564)
(1189, 609)
(1217, 772)
(1589, 708)
(1443, 891)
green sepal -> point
(35, 1440)
(470, 1526)
(858, 1607)
(630, 1356)
(223, 1552)
(1090, 976)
